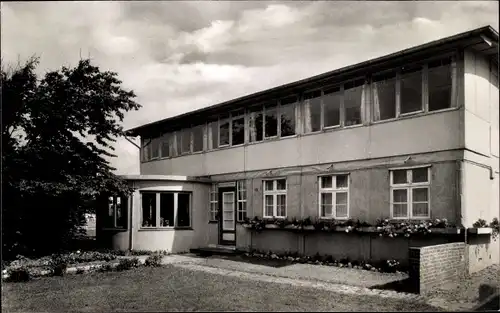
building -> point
(411, 135)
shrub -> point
(126, 264)
(80, 271)
(18, 274)
(480, 223)
(153, 260)
(58, 264)
(107, 267)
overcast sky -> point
(181, 56)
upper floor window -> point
(198, 138)
(287, 116)
(440, 81)
(411, 89)
(410, 190)
(256, 124)
(224, 130)
(238, 128)
(384, 96)
(165, 143)
(334, 196)
(353, 102)
(332, 103)
(312, 111)
(271, 120)
(213, 134)
(275, 198)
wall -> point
(434, 266)
(482, 251)
(417, 134)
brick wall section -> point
(434, 266)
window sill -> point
(164, 228)
(334, 218)
(213, 222)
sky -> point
(182, 56)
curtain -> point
(307, 116)
(376, 103)
(362, 112)
(252, 127)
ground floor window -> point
(166, 209)
(275, 198)
(410, 193)
(242, 200)
(214, 203)
(334, 196)
(116, 216)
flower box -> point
(480, 230)
(272, 226)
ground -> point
(173, 288)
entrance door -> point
(227, 216)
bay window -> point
(165, 209)
(334, 196)
(275, 198)
(410, 193)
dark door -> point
(227, 215)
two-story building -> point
(411, 135)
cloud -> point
(183, 55)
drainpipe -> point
(463, 212)
(131, 216)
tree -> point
(56, 133)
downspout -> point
(131, 217)
(463, 214)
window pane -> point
(439, 81)
(326, 204)
(352, 102)
(399, 177)
(198, 138)
(341, 210)
(312, 114)
(342, 181)
(183, 219)
(281, 184)
(269, 205)
(411, 90)
(224, 133)
(331, 104)
(326, 198)
(238, 130)
(186, 141)
(281, 205)
(242, 215)
(146, 142)
(399, 195)
(420, 175)
(420, 194)
(121, 211)
(400, 210)
(271, 122)
(149, 210)
(287, 113)
(166, 209)
(384, 96)
(110, 217)
(256, 124)
(326, 182)
(420, 209)
(155, 147)
(165, 146)
(268, 185)
(214, 129)
(341, 198)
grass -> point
(170, 288)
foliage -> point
(107, 267)
(57, 132)
(126, 264)
(392, 228)
(153, 260)
(58, 264)
(18, 274)
(495, 228)
(480, 223)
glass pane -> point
(341, 198)
(183, 218)
(242, 206)
(352, 104)
(326, 198)
(399, 177)
(269, 210)
(399, 195)
(198, 138)
(186, 141)
(165, 146)
(420, 194)
(281, 205)
(149, 210)
(342, 181)
(341, 210)
(326, 210)
(228, 224)
(271, 122)
(400, 210)
(411, 91)
(256, 121)
(121, 211)
(287, 113)
(281, 184)
(214, 128)
(238, 131)
(331, 103)
(155, 147)
(242, 215)
(269, 200)
(224, 133)
(326, 182)
(312, 114)
(384, 96)
(145, 149)
(420, 209)
(228, 197)
(420, 175)
(268, 185)
(440, 81)
(167, 209)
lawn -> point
(171, 288)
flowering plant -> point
(495, 228)
(408, 227)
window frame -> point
(333, 191)
(239, 200)
(213, 203)
(124, 203)
(158, 209)
(275, 192)
(409, 186)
